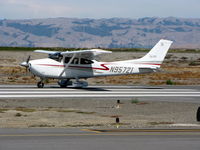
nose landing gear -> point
(40, 84)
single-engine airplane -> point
(81, 64)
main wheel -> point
(63, 86)
(64, 83)
(198, 114)
(40, 84)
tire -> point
(63, 86)
(64, 83)
(40, 84)
(117, 120)
(198, 114)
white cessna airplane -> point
(81, 64)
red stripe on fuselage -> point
(104, 67)
(81, 67)
(51, 65)
(149, 64)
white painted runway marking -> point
(110, 92)
(69, 89)
(93, 96)
(92, 92)
(36, 89)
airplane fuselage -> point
(49, 68)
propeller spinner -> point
(26, 63)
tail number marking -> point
(126, 70)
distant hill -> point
(106, 33)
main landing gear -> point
(77, 84)
(64, 83)
(80, 84)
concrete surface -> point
(98, 92)
(77, 139)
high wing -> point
(46, 52)
(88, 54)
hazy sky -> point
(25, 9)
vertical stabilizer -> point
(157, 53)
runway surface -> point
(20, 91)
(90, 139)
(79, 139)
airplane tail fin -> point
(157, 53)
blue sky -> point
(26, 9)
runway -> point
(98, 139)
(80, 139)
(13, 91)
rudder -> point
(157, 53)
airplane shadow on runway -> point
(86, 89)
(152, 88)
(104, 89)
(94, 89)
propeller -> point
(28, 59)
(26, 63)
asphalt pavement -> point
(120, 91)
(146, 93)
(80, 139)
(90, 139)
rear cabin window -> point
(75, 61)
(86, 61)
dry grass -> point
(85, 112)
(12, 70)
(23, 109)
(66, 110)
(160, 123)
(2, 110)
(75, 111)
(83, 125)
(179, 75)
(42, 126)
(18, 115)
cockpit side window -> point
(74, 61)
(86, 61)
(67, 59)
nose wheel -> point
(40, 84)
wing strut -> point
(66, 66)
